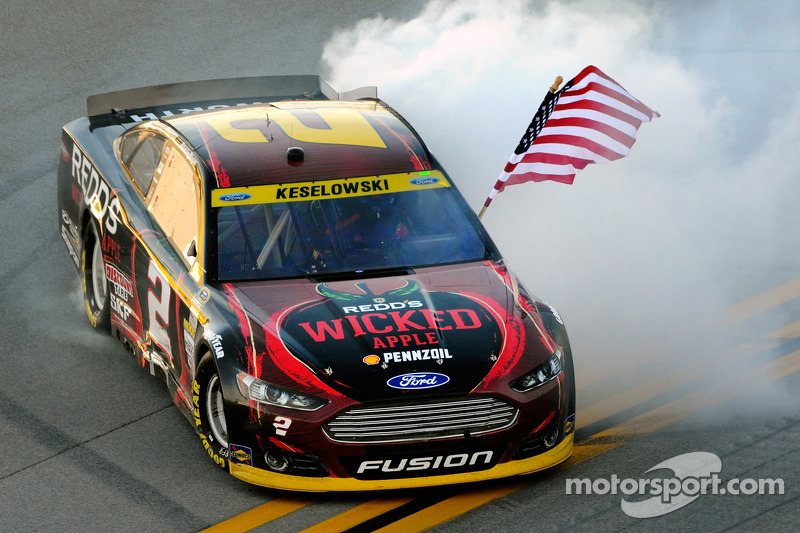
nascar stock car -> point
(325, 308)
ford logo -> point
(235, 197)
(428, 180)
(418, 380)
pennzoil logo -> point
(241, 455)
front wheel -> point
(209, 413)
(95, 286)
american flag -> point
(592, 119)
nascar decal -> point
(405, 331)
(322, 190)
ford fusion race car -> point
(325, 308)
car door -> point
(167, 253)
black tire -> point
(95, 287)
(209, 416)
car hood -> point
(439, 330)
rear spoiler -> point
(269, 88)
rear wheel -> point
(95, 286)
(209, 413)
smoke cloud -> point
(643, 255)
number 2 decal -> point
(158, 307)
(281, 425)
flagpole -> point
(553, 88)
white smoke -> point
(647, 251)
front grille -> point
(421, 420)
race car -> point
(325, 308)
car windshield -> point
(316, 229)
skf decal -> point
(241, 455)
(417, 380)
(121, 308)
(96, 193)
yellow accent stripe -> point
(328, 189)
(358, 515)
(258, 516)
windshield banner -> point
(328, 189)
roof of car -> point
(250, 145)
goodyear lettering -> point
(218, 458)
(123, 287)
(216, 344)
(416, 355)
(439, 462)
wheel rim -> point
(98, 276)
(215, 412)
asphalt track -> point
(91, 443)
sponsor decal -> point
(427, 180)
(380, 305)
(121, 308)
(417, 380)
(189, 332)
(123, 287)
(416, 466)
(335, 188)
(183, 111)
(64, 151)
(111, 248)
(241, 455)
(70, 246)
(417, 355)
(216, 343)
(372, 359)
(569, 425)
(235, 197)
(73, 231)
(95, 191)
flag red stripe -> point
(581, 142)
(516, 179)
(555, 159)
(580, 122)
(602, 89)
(600, 108)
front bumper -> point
(258, 476)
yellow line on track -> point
(764, 301)
(358, 515)
(258, 516)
